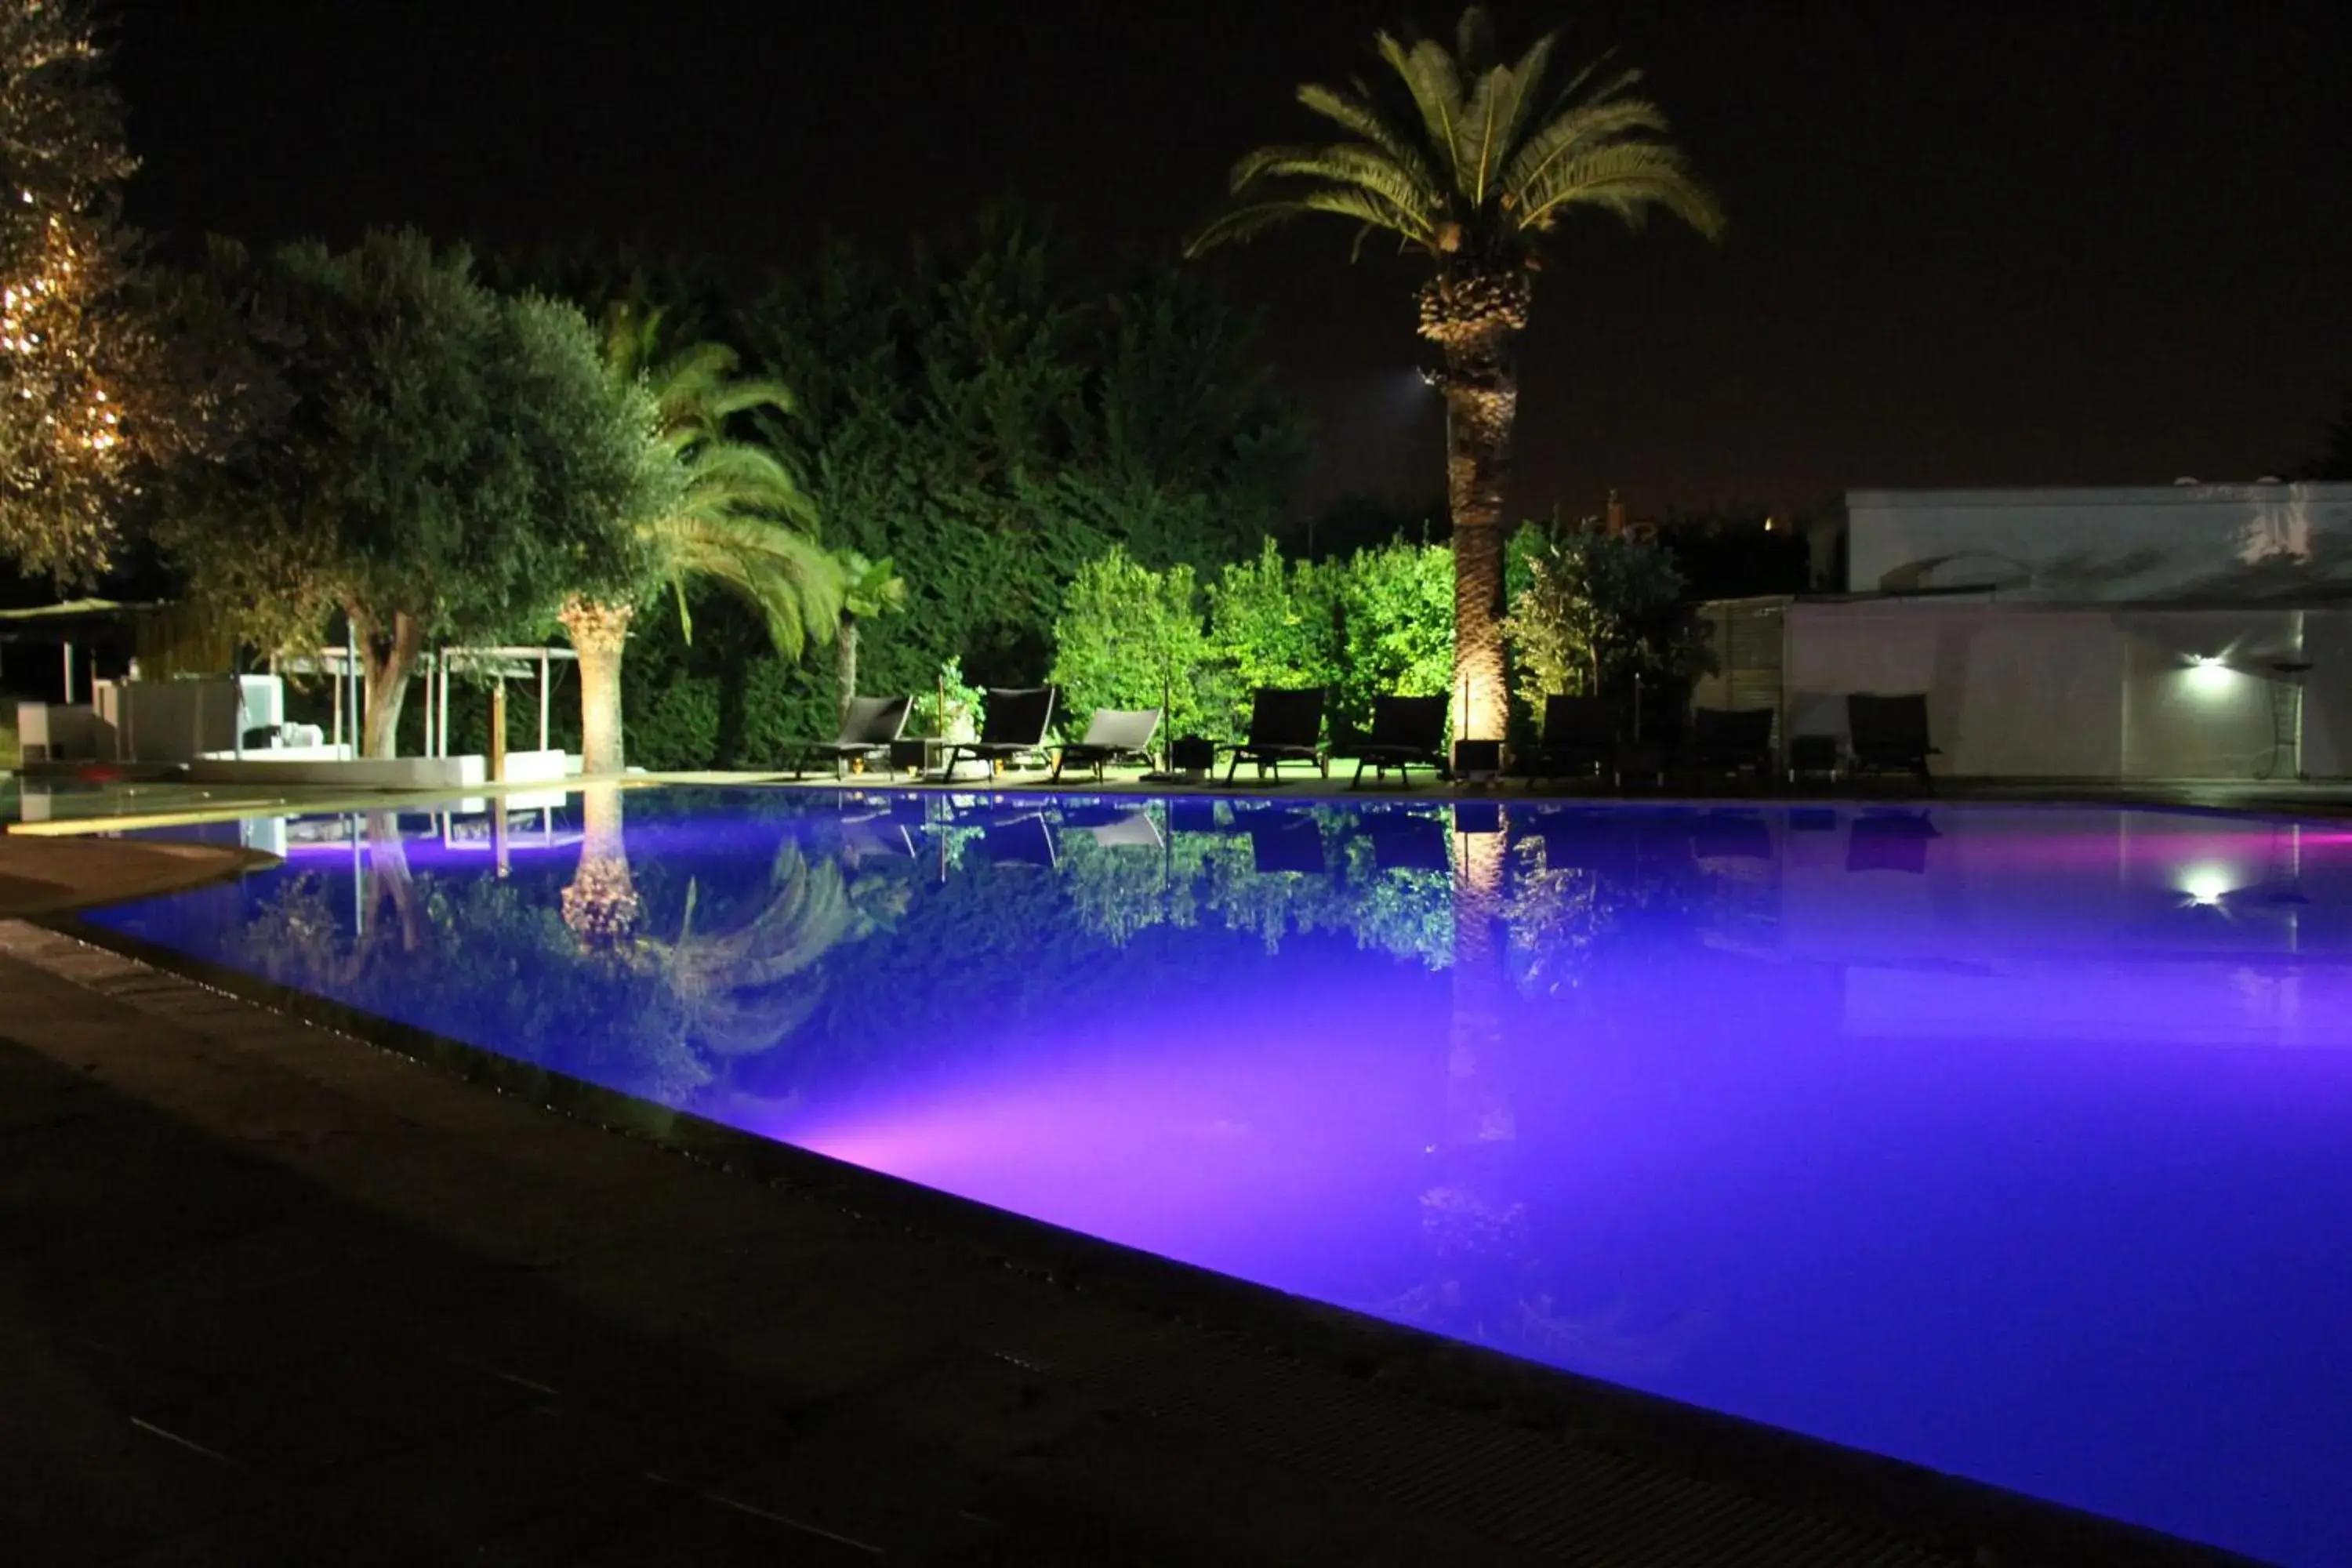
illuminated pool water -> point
(2012, 1142)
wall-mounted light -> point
(2207, 884)
(2209, 676)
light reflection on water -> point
(2014, 1142)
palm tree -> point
(1472, 162)
(737, 517)
(868, 588)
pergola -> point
(503, 664)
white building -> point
(2184, 632)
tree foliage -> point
(1396, 627)
(451, 462)
(1377, 622)
(993, 411)
(1597, 608)
(1462, 155)
(1125, 634)
(736, 515)
(81, 394)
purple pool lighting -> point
(2012, 1142)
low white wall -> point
(2029, 691)
(362, 772)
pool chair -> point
(1013, 721)
(1729, 740)
(1731, 835)
(1285, 841)
(1889, 841)
(870, 726)
(1407, 732)
(1579, 738)
(1023, 840)
(1113, 735)
(1414, 842)
(1114, 827)
(1286, 726)
(1889, 735)
(891, 833)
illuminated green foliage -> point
(451, 463)
(1126, 634)
(1597, 609)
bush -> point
(1599, 608)
(1272, 624)
(1396, 627)
(1128, 634)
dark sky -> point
(1979, 243)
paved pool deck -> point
(270, 1292)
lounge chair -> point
(1889, 735)
(1892, 841)
(1731, 836)
(1113, 735)
(1286, 841)
(870, 726)
(1729, 740)
(1013, 721)
(1115, 826)
(1580, 736)
(1286, 726)
(1409, 842)
(1024, 841)
(1407, 732)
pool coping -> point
(1920, 1507)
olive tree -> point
(447, 462)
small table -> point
(924, 755)
(1812, 754)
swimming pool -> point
(2014, 1142)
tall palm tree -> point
(1472, 162)
(737, 517)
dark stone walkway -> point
(269, 1295)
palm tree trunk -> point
(1474, 316)
(598, 632)
(384, 665)
(844, 663)
(600, 903)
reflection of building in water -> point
(2280, 528)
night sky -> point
(1972, 244)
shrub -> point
(1597, 610)
(1396, 627)
(1271, 623)
(1127, 634)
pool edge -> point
(1919, 1507)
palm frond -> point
(1347, 166)
(1627, 178)
(1239, 225)
(1496, 116)
(1435, 84)
(780, 572)
(1358, 115)
(1595, 121)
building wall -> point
(2034, 691)
(2099, 546)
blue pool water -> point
(2012, 1142)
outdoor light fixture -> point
(2206, 884)
(2209, 675)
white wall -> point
(2033, 691)
(177, 720)
(2101, 546)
